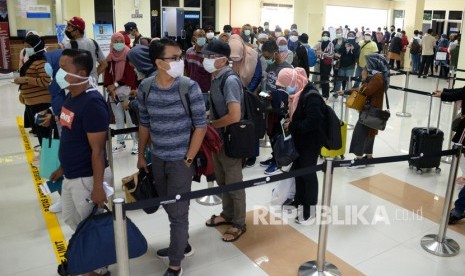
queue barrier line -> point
(410, 90)
(270, 179)
(57, 238)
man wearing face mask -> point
(164, 119)
(194, 63)
(227, 29)
(348, 58)
(85, 120)
(278, 32)
(131, 29)
(266, 27)
(279, 98)
(75, 32)
(293, 41)
(227, 105)
(247, 34)
(209, 34)
(367, 46)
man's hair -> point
(157, 48)
(82, 59)
(270, 46)
(416, 32)
(430, 31)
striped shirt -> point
(169, 124)
(36, 90)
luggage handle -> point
(431, 110)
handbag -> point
(284, 151)
(356, 100)
(239, 139)
(49, 161)
(327, 61)
(374, 117)
(92, 246)
(139, 186)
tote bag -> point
(49, 161)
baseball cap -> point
(217, 47)
(130, 26)
(78, 23)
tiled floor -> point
(378, 249)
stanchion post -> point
(404, 112)
(320, 266)
(210, 200)
(346, 117)
(439, 244)
(110, 163)
(121, 237)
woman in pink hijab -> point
(293, 80)
(120, 82)
(306, 125)
(284, 51)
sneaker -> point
(55, 208)
(425, 76)
(250, 162)
(352, 166)
(272, 169)
(266, 163)
(455, 216)
(163, 253)
(135, 148)
(305, 222)
(119, 147)
(37, 148)
(171, 272)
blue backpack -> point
(311, 56)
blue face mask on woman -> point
(283, 48)
(118, 47)
(291, 90)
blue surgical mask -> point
(270, 61)
(201, 41)
(118, 46)
(60, 79)
(29, 51)
(247, 32)
(325, 38)
(49, 70)
(291, 90)
(283, 48)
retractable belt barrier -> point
(114, 132)
(410, 90)
(270, 179)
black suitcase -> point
(426, 140)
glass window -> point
(208, 15)
(40, 16)
(455, 15)
(398, 14)
(170, 3)
(192, 3)
(427, 15)
(439, 15)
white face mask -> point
(367, 38)
(278, 34)
(176, 68)
(209, 65)
(210, 35)
(293, 38)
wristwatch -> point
(188, 160)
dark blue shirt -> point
(86, 113)
(58, 94)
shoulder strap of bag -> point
(387, 99)
(146, 85)
(184, 94)
(223, 82)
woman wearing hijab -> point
(246, 64)
(284, 51)
(325, 52)
(394, 51)
(375, 82)
(306, 116)
(120, 81)
(34, 83)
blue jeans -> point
(460, 202)
(415, 63)
(343, 72)
(358, 74)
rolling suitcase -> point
(339, 152)
(426, 140)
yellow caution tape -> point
(51, 221)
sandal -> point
(235, 233)
(211, 222)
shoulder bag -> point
(356, 100)
(375, 118)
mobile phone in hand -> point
(39, 118)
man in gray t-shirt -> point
(75, 32)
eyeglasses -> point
(175, 58)
(212, 56)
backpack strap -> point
(96, 48)
(146, 85)
(74, 44)
(223, 82)
(184, 83)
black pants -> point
(42, 132)
(391, 64)
(325, 71)
(306, 187)
(426, 62)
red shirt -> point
(195, 70)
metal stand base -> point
(209, 200)
(265, 143)
(447, 160)
(404, 115)
(447, 248)
(350, 127)
(310, 269)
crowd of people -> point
(60, 92)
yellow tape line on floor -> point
(51, 221)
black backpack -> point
(332, 124)
(254, 107)
(416, 48)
